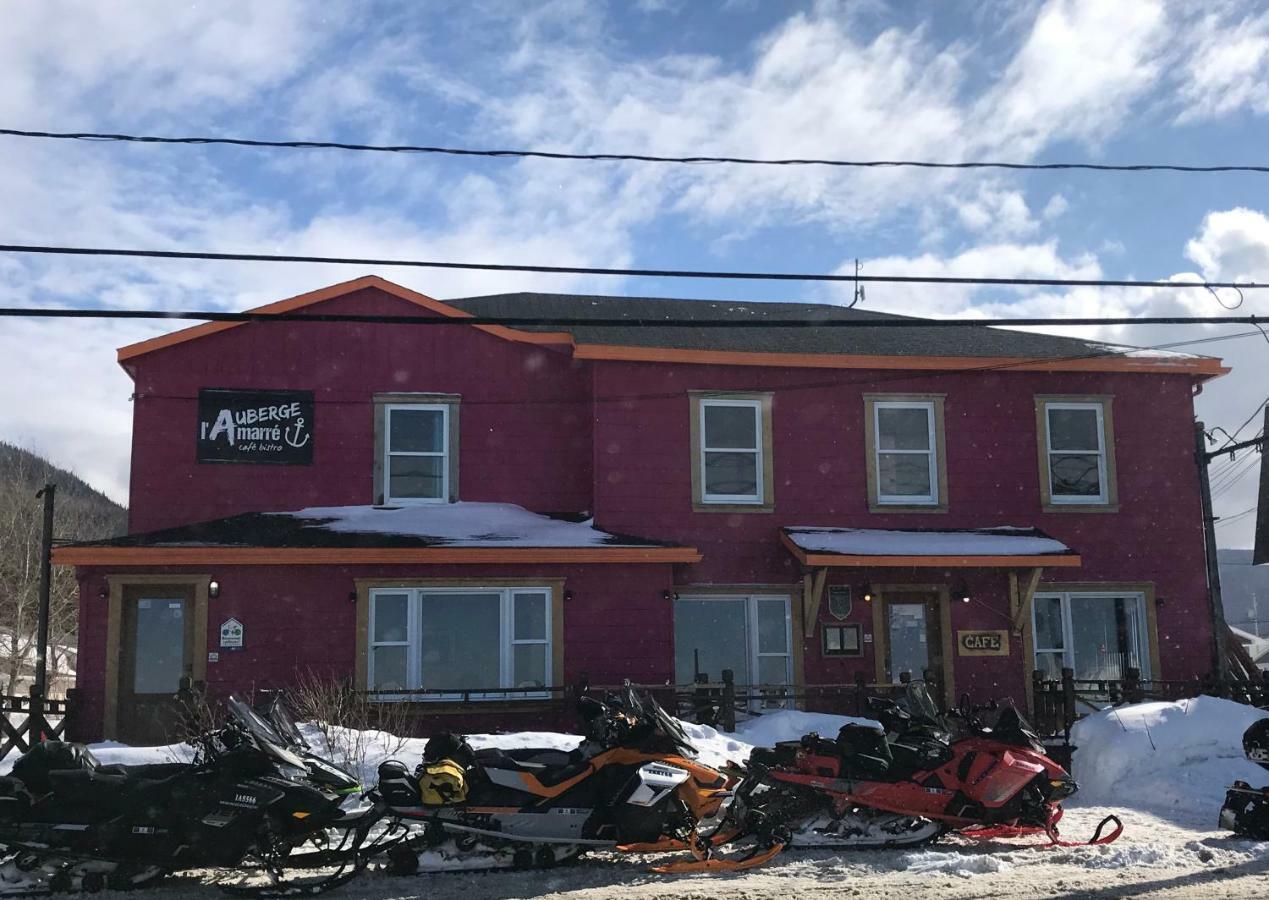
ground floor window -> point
(1098, 635)
(751, 635)
(460, 640)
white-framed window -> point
(731, 451)
(750, 635)
(1075, 447)
(460, 640)
(906, 448)
(416, 453)
(1098, 635)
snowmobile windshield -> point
(266, 737)
(278, 715)
(919, 703)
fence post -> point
(37, 727)
(1132, 684)
(727, 707)
(70, 715)
(1068, 701)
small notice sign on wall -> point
(231, 635)
(262, 427)
(983, 643)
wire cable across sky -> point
(630, 157)
(634, 273)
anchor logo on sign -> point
(294, 432)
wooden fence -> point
(28, 720)
(717, 704)
(1058, 703)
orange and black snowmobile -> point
(632, 784)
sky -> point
(1060, 80)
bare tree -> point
(81, 514)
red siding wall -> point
(617, 624)
(524, 414)
(643, 486)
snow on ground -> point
(1172, 759)
(1004, 540)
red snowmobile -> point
(906, 782)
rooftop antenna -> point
(859, 289)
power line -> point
(639, 273)
(578, 322)
(1223, 520)
(626, 157)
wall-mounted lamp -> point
(961, 592)
(568, 596)
(352, 596)
(669, 595)
(104, 593)
(866, 592)
(213, 589)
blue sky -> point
(1128, 81)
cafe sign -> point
(262, 427)
(983, 643)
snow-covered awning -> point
(414, 533)
(966, 547)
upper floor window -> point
(905, 452)
(1076, 452)
(416, 448)
(731, 436)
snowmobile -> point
(273, 717)
(67, 822)
(1246, 809)
(905, 783)
(632, 783)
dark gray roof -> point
(907, 341)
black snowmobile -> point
(244, 802)
(1246, 809)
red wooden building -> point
(475, 507)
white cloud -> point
(1227, 66)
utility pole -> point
(46, 585)
(1204, 458)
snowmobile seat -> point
(146, 771)
(35, 766)
(863, 751)
(548, 766)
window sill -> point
(698, 506)
(1080, 507)
(875, 507)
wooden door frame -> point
(881, 639)
(118, 584)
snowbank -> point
(1172, 759)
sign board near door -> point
(231, 634)
(261, 427)
(983, 643)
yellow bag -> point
(442, 783)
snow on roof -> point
(1003, 540)
(463, 524)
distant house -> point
(484, 512)
(61, 666)
(1257, 647)
(1244, 592)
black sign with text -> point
(262, 427)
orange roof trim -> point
(1205, 367)
(321, 556)
(1200, 367)
(303, 301)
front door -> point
(157, 645)
(912, 623)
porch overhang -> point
(431, 534)
(1000, 547)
